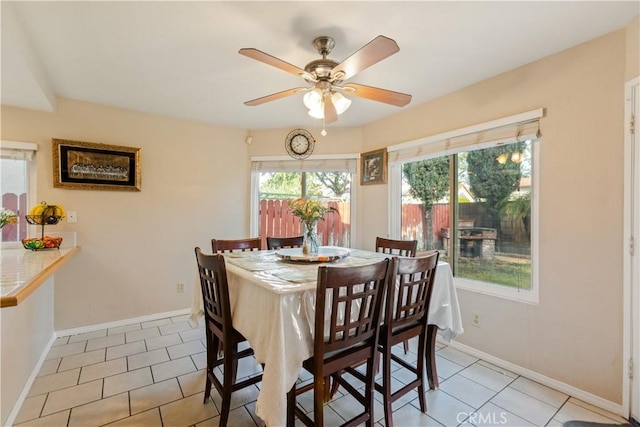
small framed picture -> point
(91, 166)
(373, 167)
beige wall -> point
(270, 142)
(574, 333)
(136, 246)
(632, 69)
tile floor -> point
(152, 374)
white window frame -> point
(29, 151)
(395, 201)
(298, 166)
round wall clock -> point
(299, 143)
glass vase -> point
(310, 245)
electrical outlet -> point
(180, 287)
(475, 320)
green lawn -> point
(515, 273)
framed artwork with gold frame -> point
(92, 166)
(373, 167)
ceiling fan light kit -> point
(313, 100)
(327, 78)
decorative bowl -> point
(46, 242)
(325, 254)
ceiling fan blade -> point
(275, 96)
(330, 113)
(273, 61)
(375, 51)
(376, 94)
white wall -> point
(26, 329)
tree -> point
(428, 179)
(288, 185)
(337, 182)
(492, 179)
(493, 176)
(429, 182)
(518, 210)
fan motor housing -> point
(321, 68)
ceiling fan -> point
(326, 77)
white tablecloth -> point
(272, 306)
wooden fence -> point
(18, 204)
(414, 225)
(276, 220)
(511, 237)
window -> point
(17, 170)
(275, 183)
(472, 198)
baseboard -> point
(25, 390)
(123, 322)
(587, 397)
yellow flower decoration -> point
(7, 217)
(309, 211)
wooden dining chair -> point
(396, 247)
(220, 333)
(274, 243)
(349, 299)
(251, 244)
(405, 317)
(401, 248)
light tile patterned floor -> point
(152, 374)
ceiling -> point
(180, 59)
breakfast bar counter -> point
(26, 319)
(23, 271)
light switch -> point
(72, 217)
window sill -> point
(519, 295)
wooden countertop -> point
(23, 271)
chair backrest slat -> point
(396, 247)
(215, 290)
(250, 244)
(351, 297)
(411, 295)
(274, 243)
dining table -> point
(272, 296)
